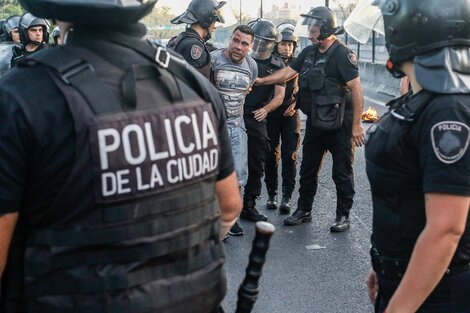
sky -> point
(249, 7)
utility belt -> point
(395, 268)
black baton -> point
(248, 292)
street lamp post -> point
(240, 12)
(261, 9)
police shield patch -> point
(352, 58)
(196, 52)
(450, 140)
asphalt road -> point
(308, 269)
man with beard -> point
(234, 71)
(330, 94)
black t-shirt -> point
(19, 53)
(193, 49)
(405, 160)
(261, 95)
(38, 139)
(342, 65)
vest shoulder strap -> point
(410, 110)
(76, 72)
(170, 61)
(277, 61)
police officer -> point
(11, 42)
(330, 94)
(258, 103)
(93, 174)
(201, 15)
(34, 36)
(283, 125)
(11, 29)
(418, 163)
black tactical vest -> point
(393, 164)
(136, 223)
(175, 41)
(321, 98)
(262, 94)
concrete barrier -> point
(377, 78)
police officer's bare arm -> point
(276, 101)
(230, 202)
(7, 225)
(281, 76)
(433, 251)
(358, 107)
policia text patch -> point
(150, 152)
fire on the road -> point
(370, 115)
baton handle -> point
(248, 291)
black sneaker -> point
(341, 224)
(298, 217)
(236, 230)
(252, 214)
(271, 204)
(284, 208)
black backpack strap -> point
(74, 71)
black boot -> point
(271, 204)
(249, 211)
(298, 217)
(341, 224)
(284, 208)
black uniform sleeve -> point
(444, 146)
(15, 138)
(346, 64)
(296, 64)
(193, 51)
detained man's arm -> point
(276, 101)
(358, 107)
(230, 202)
(446, 217)
(280, 76)
(7, 226)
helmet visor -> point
(305, 24)
(364, 19)
(262, 48)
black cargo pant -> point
(258, 148)
(285, 129)
(315, 145)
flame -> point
(370, 115)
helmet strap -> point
(394, 70)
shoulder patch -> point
(196, 52)
(352, 58)
(450, 140)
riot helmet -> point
(266, 35)
(10, 25)
(287, 32)
(27, 21)
(91, 12)
(203, 12)
(56, 34)
(321, 16)
(415, 27)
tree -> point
(346, 6)
(9, 8)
